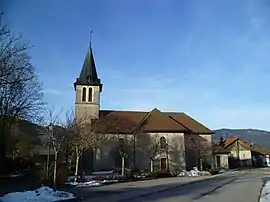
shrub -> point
(215, 171)
(160, 174)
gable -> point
(156, 121)
(234, 147)
(189, 123)
(231, 143)
(228, 142)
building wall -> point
(108, 157)
(224, 162)
(176, 151)
(208, 148)
(198, 151)
(267, 161)
(244, 155)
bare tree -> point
(200, 148)
(20, 91)
(81, 132)
(86, 134)
(56, 136)
(150, 145)
(123, 146)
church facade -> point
(155, 140)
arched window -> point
(84, 94)
(163, 143)
(90, 97)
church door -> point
(163, 163)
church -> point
(158, 140)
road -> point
(240, 186)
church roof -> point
(188, 122)
(88, 75)
(126, 122)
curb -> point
(260, 194)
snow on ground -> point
(103, 172)
(265, 195)
(92, 183)
(15, 175)
(194, 172)
(86, 177)
(42, 194)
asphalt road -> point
(241, 186)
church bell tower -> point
(88, 88)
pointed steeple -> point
(88, 75)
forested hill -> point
(259, 137)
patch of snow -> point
(72, 178)
(109, 181)
(222, 171)
(265, 194)
(86, 178)
(92, 183)
(140, 176)
(103, 172)
(193, 173)
(85, 184)
(42, 194)
(15, 175)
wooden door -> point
(163, 163)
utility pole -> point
(50, 133)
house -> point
(179, 141)
(221, 156)
(242, 153)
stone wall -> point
(223, 161)
(86, 108)
(108, 157)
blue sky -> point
(210, 59)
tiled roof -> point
(217, 149)
(126, 122)
(228, 143)
(160, 122)
(189, 123)
(251, 147)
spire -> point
(88, 75)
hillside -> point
(259, 137)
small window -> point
(84, 94)
(163, 142)
(90, 97)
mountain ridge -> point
(256, 136)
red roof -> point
(126, 122)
